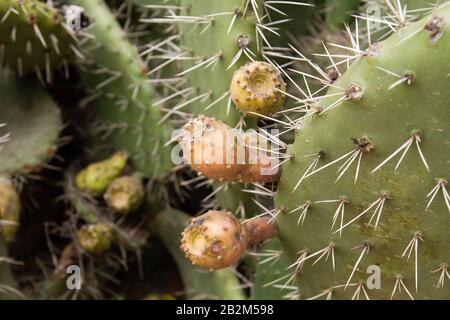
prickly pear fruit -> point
(257, 88)
(218, 152)
(125, 194)
(230, 38)
(96, 177)
(214, 240)
(381, 203)
(260, 229)
(9, 209)
(34, 37)
(95, 238)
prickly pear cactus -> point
(258, 89)
(366, 187)
(34, 38)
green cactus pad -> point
(270, 274)
(392, 114)
(339, 12)
(33, 123)
(121, 97)
(34, 38)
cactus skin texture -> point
(96, 177)
(257, 89)
(95, 238)
(32, 123)
(33, 37)
(9, 210)
(121, 98)
(125, 194)
(420, 111)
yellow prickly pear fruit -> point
(95, 238)
(214, 240)
(161, 296)
(9, 210)
(96, 177)
(257, 88)
(125, 194)
(210, 148)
